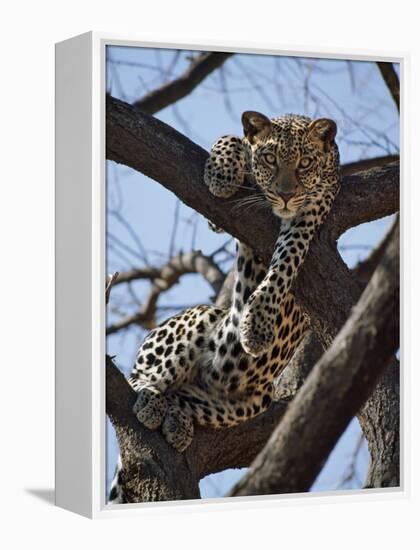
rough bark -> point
(334, 391)
(152, 471)
(141, 142)
(380, 421)
(366, 164)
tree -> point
(357, 374)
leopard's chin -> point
(285, 213)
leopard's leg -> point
(224, 170)
(116, 493)
(177, 426)
(167, 359)
(224, 354)
(260, 312)
(192, 404)
(243, 387)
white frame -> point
(80, 307)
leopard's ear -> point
(256, 126)
(322, 132)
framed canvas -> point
(227, 275)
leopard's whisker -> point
(260, 206)
(258, 195)
(249, 201)
(252, 204)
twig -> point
(109, 283)
(351, 471)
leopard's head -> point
(294, 159)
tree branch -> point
(391, 80)
(152, 470)
(201, 67)
(141, 142)
(380, 421)
(334, 391)
(364, 269)
(367, 164)
(136, 274)
(164, 279)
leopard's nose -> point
(287, 196)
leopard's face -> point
(289, 158)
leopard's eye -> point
(269, 158)
(305, 162)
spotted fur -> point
(216, 367)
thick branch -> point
(142, 142)
(367, 164)
(334, 391)
(201, 67)
(380, 420)
(152, 470)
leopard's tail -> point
(116, 493)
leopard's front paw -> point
(256, 333)
(225, 167)
(254, 344)
(178, 428)
(150, 407)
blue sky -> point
(352, 93)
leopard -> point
(214, 366)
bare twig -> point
(109, 283)
(351, 470)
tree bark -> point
(380, 421)
(152, 470)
